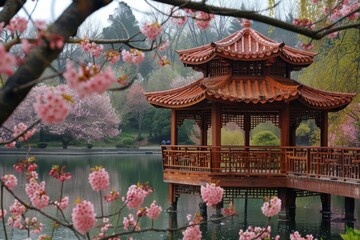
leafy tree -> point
(265, 138)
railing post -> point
(308, 161)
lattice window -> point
(217, 68)
(186, 189)
(195, 115)
(278, 68)
(296, 117)
(257, 193)
(247, 68)
(232, 117)
(257, 118)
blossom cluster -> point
(36, 193)
(151, 31)
(20, 130)
(86, 81)
(111, 196)
(154, 211)
(99, 179)
(271, 207)
(133, 56)
(10, 181)
(202, 19)
(83, 216)
(130, 222)
(135, 197)
(91, 47)
(52, 107)
(211, 194)
(297, 236)
(58, 173)
(256, 233)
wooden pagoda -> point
(246, 80)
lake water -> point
(126, 169)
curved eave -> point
(318, 99)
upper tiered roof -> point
(247, 45)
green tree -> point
(265, 138)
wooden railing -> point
(327, 162)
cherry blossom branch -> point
(69, 226)
(41, 57)
(39, 80)
(231, 12)
(21, 134)
(164, 229)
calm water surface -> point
(127, 169)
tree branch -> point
(200, 6)
(11, 7)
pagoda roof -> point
(246, 45)
(248, 89)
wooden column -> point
(324, 129)
(325, 206)
(247, 129)
(285, 124)
(171, 197)
(292, 135)
(349, 209)
(216, 135)
(174, 129)
(285, 129)
(203, 131)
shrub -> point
(265, 138)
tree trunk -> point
(65, 142)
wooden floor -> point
(334, 171)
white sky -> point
(51, 9)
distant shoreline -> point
(83, 151)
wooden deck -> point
(321, 169)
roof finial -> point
(246, 23)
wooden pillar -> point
(285, 124)
(247, 128)
(326, 205)
(203, 210)
(172, 198)
(288, 204)
(292, 135)
(203, 131)
(285, 129)
(324, 129)
(174, 128)
(216, 135)
(349, 209)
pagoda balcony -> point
(207, 163)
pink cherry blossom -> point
(163, 61)
(99, 179)
(3, 213)
(20, 130)
(272, 207)
(152, 31)
(86, 81)
(26, 46)
(255, 233)
(211, 194)
(15, 222)
(203, 19)
(178, 20)
(10, 181)
(55, 41)
(16, 209)
(58, 173)
(17, 24)
(51, 107)
(7, 61)
(135, 197)
(112, 56)
(64, 202)
(40, 25)
(112, 196)
(83, 216)
(154, 211)
(91, 47)
(297, 236)
(129, 222)
(10, 145)
(163, 46)
(192, 233)
(36, 193)
(133, 56)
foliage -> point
(232, 136)
(265, 138)
(350, 234)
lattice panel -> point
(247, 68)
(296, 117)
(257, 118)
(232, 117)
(186, 189)
(258, 193)
(219, 68)
(197, 116)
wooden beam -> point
(216, 134)
(174, 130)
